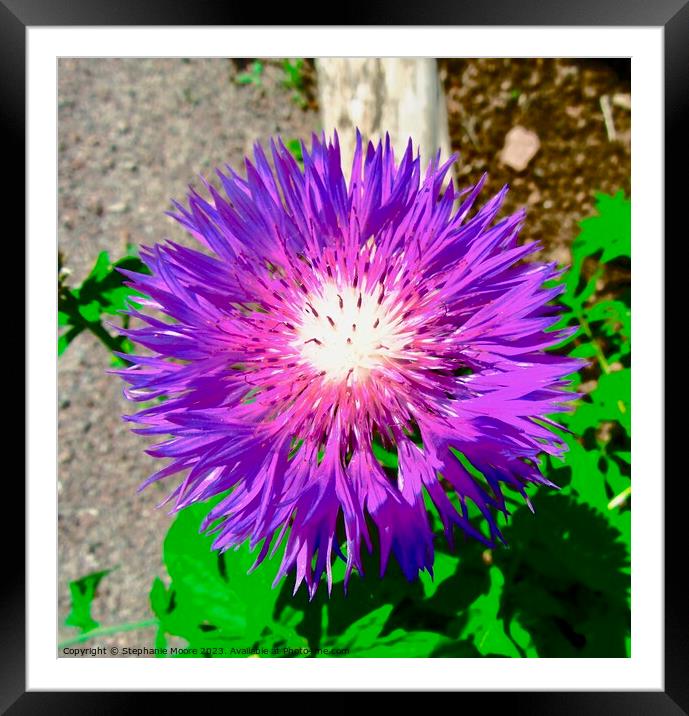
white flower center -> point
(346, 333)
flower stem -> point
(106, 631)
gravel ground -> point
(134, 133)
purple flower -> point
(328, 319)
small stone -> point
(604, 432)
(94, 205)
(118, 208)
(588, 386)
(520, 148)
(560, 254)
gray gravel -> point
(132, 135)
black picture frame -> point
(672, 15)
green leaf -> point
(159, 598)
(101, 268)
(617, 482)
(294, 147)
(610, 401)
(83, 592)
(364, 632)
(66, 338)
(583, 350)
(402, 644)
(115, 300)
(244, 79)
(483, 624)
(587, 482)
(615, 316)
(609, 231)
(444, 566)
(103, 291)
(364, 638)
(90, 311)
(293, 73)
(566, 578)
(211, 597)
(624, 456)
(385, 457)
(251, 77)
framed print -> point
(345, 370)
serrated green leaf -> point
(610, 401)
(212, 596)
(522, 638)
(363, 633)
(587, 482)
(444, 566)
(401, 644)
(115, 300)
(608, 232)
(159, 598)
(364, 638)
(583, 350)
(90, 311)
(103, 291)
(484, 627)
(567, 578)
(101, 268)
(83, 592)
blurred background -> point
(134, 133)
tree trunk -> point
(396, 95)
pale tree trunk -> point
(396, 95)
